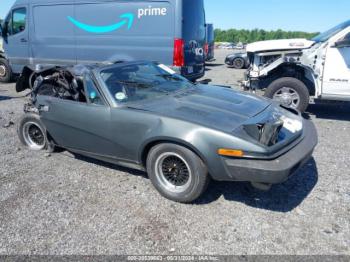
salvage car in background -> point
(142, 115)
(293, 70)
(238, 60)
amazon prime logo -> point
(127, 20)
(152, 11)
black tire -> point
(238, 63)
(294, 84)
(6, 76)
(198, 178)
(39, 139)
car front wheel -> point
(32, 133)
(177, 173)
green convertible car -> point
(142, 115)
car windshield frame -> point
(325, 36)
(168, 77)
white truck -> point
(296, 71)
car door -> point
(80, 126)
(336, 80)
(16, 38)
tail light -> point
(206, 49)
(179, 52)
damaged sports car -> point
(142, 115)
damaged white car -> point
(295, 71)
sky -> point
(292, 15)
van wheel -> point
(290, 92)
(5, 71)
(177, 173)
(32, 133)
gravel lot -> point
(60, 204)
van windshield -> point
(331, 32)
(141, 81)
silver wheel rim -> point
(33, 136)
(173, 172)
(287, 96)
(2, 71)
(238, 63)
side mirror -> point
(342, 43)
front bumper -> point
(277, 170)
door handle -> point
(23, 40)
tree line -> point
(250, 36)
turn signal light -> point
(230, 152)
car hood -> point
(215, 107)
(282, 44)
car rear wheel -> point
(290, 92)
(177, 173)
(238, 63)
(5, 71)
(32, 133)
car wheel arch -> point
(148, 145)
(293, 71)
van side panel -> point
(52, 35)
(120, 30)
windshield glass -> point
(328, 34)
(136, 82)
